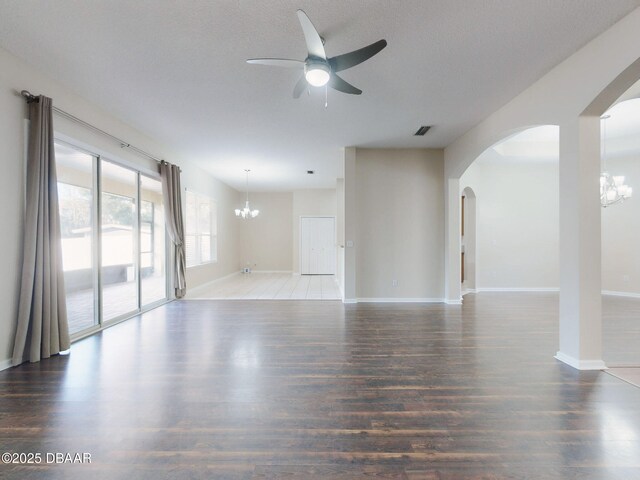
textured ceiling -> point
(176, 70)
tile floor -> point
(269, 286)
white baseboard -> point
(400, 300)
(517, 289)
(212, 282)
(4, 364)
(469, 290)
(273, 271)
(349, 300)
(620, 294)
(580, 364)
(453, 301)
(544, 289)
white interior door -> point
(317, 246)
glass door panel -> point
(75, 171)
(119, 192)
(152, 242)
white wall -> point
(621, 232)
(16, 75)
(317, 202)
(517, 222)
(400, 223)
(266, 239)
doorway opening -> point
(620, 234)
(468, 241)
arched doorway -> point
(468, 241)
(510, 239)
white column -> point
(580, 276)
(452, 241)
(350, 225)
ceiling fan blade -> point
(277, 62)
(300, 87)
(312, 37)
(339, 84)
(351, 59)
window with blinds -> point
(201, 229)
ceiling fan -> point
(318, 70)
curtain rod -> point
(32, 98)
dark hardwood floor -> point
(620, 331)
(319, 390)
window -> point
(201, 230)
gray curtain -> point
(42, 311)
(171, 193)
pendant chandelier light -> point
(612, 188)
(246, 212)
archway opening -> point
(468, 241)
(516, 207)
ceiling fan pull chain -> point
(326, 96)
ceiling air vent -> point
(422, 130)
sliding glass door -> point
(118, 246)
(120, 271)
(153, 277)
(78, 224)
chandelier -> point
(246, 212)
(612, 188)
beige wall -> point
(532, 186)
(517, 222)
(16, 75)
(266, 240)
(350, 225)
(340, 234)
(317, 202)
(400, 223)
(228, 230)
(517, 240)
(270, 242)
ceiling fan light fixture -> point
(317, 74)
(318, 69)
